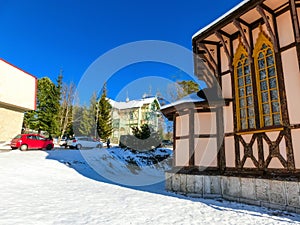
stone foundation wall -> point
(283, 195)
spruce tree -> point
(103, 116)
(48, 97)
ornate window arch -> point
(267, 82)
(244, 90)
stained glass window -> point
(245, 105)
(267, 82)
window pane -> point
(242, 92)
(267, 121)
(262, 74)
(249, 90)
(261, 63)
(251, 112)
(248, 79)
(239, 71)
(249, 100)
(241, 82)
(276, 118)
(274, 95)
(264, 46)
(251, 123)
(243, 113)
(272, 83)
(270, 60)
(264, 97)
(242, 103)
(269, 52)
(266, 109)
(263, 86)
(271, 71)
(242, 56)
(243, 124)
(246, 70)
(260, 55)
(275, 107)
(239, 64)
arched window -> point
(267, 82)
(244, 90)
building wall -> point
(10, 123)
(17, 95)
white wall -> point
(17, 88)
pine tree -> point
(103, 116)
(48, 98)
(86, 122)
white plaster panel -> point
(292, 83)
(226, 86)
(285, 29)
(17, 87)
(224, 60)
(266, 149)
(296, 147)
(205, 123)
(182, 152)
(247, 138)
(255, 149)
(282, 148)
(206, 152)
(229, 152)
(275, 164)
(273, 135)
(249, 163)
(228, 118)
(182, 125)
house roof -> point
(192, 98)
(133, 103)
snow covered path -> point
(39, 190)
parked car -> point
(84, 142)
(31, 141)
(63, 142)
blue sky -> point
(43, 36)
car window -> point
(83, 139)
(31, 137)
(40, 138)
(18, 136)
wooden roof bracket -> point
(246, 43)
(262, 13)
(201, 45)
(225, 49)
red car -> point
(31, 141)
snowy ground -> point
(59, 187)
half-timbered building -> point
(244, 145)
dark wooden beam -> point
(246, 43)
(201, 45)
(225, 49)
(261, 11)
(296, 27)
(191, 137)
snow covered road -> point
(38, 189)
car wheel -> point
(23, 147)
(49, 147)
(99, 146)
(79, 146)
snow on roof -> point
(192, 98)
(132, 103)
(221, 18)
